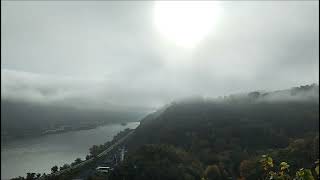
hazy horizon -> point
(113, 55)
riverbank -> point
(41, 153)
(5, 139)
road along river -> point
(40, 154)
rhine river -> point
(40, 154)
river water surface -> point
(40, 154)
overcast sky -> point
(110, 53)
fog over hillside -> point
(188, 90)
(294, 94)
(68, 62)
(109, 55)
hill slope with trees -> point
(227, 135)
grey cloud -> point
(107, 54)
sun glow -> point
(185, 23)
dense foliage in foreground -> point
(159, 162)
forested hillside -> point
(224, 138)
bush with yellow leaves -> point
(282, 173)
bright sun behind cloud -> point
(185, 23)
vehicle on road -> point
(103, 169)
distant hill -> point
(23, 119)
(298, 94)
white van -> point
(103, 169)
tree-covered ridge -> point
(224, 134)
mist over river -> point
(40, 154)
